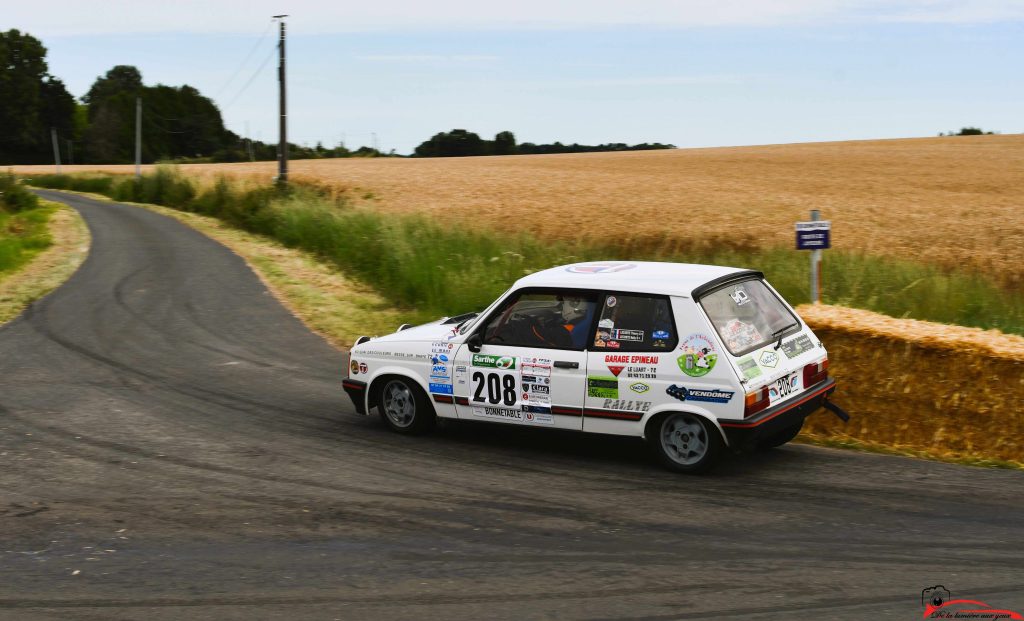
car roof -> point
(679, 279)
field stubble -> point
(953, 201)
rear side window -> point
(748, 315)
(631, 322)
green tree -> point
(456, 143)
(32, 101)
(504, 144)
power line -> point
(251, 79)
(248, 56)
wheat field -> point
(952, 201)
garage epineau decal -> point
(699, 356)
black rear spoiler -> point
(722, 281)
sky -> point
(694, 73)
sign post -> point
(815, 236)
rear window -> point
(748, 315)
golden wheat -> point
(950, 201)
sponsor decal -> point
(631, 359)
(443, 358)
(699, 355)
(628, 335)
(938, 603)
(494, 362)
(739, 335)
(627, 405)
(354, 367)
(611, 301)
(599, 268)
(498, 413)
(710, 395)
(613, 344)
(439, 370)
(769, 359)
(537, 367)
(641, 373)
(442, 389)
(739, 296)
(660, 344)
(543, 418)
(363, 368)
(615, 370)
(603, 387)
(639, 387)
(537, 388)
(749, 368)
(660, 335)
(797, 346)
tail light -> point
(756, 401)
(815, 373)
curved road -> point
(174, 444)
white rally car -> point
(693, 358)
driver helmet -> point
(573, 308)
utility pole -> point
(138, 137)
(282, 148)
(56, 148)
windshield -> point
(748, 315)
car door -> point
(630, 361)
(531, 366)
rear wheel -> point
(781, 437)
(404, 406)
(685, 442)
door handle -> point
(565, 364)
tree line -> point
(462, 143)
(178, 122)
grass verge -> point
(440, 268)
(43, 269)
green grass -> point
(440, 268)
(23, 230)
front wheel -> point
(685, 442)
(404, 406)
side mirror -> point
(475, 342)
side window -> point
(556, 319)
(632, 322)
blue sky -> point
(692, 73)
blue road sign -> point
(814, 235)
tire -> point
(685, 442)
(780, 438)
(404, 407)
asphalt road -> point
(174, 444)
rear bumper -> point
(745, 434)
(357, 392)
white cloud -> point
(74, 17)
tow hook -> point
(835, 409)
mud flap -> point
(835, 409)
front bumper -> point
(357, 392)
(745, 434)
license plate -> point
(784, 387)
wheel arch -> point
(377, 381)
(655, 416)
